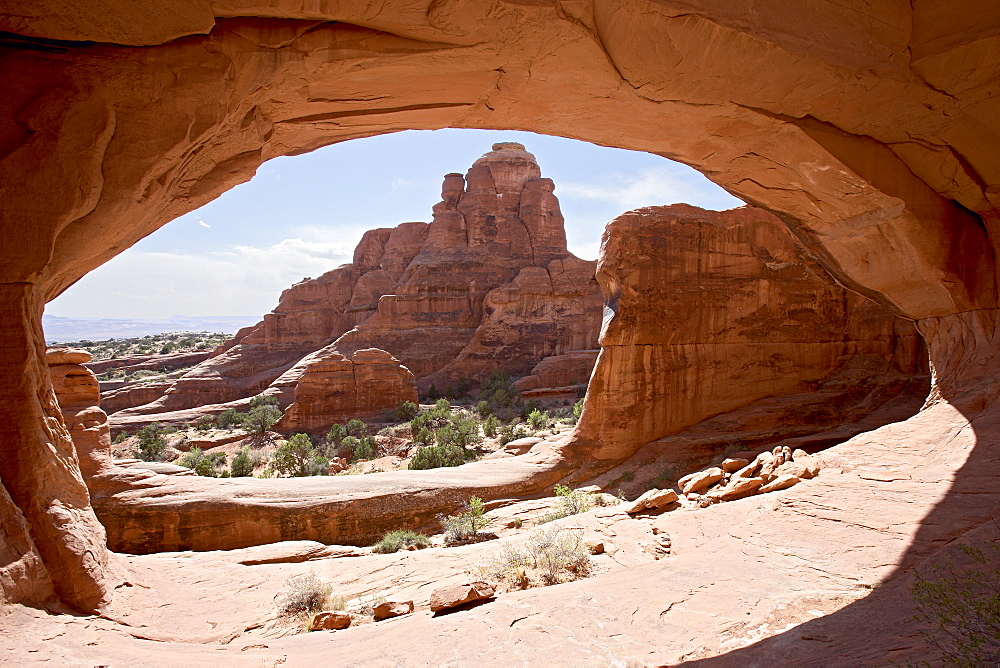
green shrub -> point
(467, 523)
(439, 456)
(120, 438)
(433, 394)
(228, 419)
(242, 465)
(547, 558)
(365, 449)
(205, 467)
(512, 432)
(204, 423)
(356, 428)
(538, 419)
(151, 443)
(394, 541)
(491, 426)
(298, 458)
(483, 408)
(442, 405)
(348, 446)
(261, 400)
(407, 410)
(261, 418)
(577, 410)
(461, 431)
(962, 602)
(336, 434)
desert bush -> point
(304, 593)
(491, 426)
(356, 428)
(336, 434)
(467, 523)
(203, 465)
(439, 456)
(228, 419)
(396, 540)
(407, 410)
(120, 438)
(365, 448)
(151, 443)
(204, 423)
(261, 418)
(512, 432)
(442, 406)
(570, 503)
(298, 458)
(962, 602)
(460, 430)
(242, 465)
(483, 408)
(538, 419)
(425, 436)
(261, 400)
(577, 410)
(547, 558)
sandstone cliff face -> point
(560, 371)
(867, 128)
(487, 285)
(708, 311)
(331, 388)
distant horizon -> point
(302, 216)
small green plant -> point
(120, 438)
(517, 523)
(204, 423)
(538, 419)
(442, 405)
(396, 540)
(577, 411)
(512, 432)
(962, 602)
(261, 400)
(467, 523)
(242, 465)
(356, 428)
(425, 436)
(491, 426)
(304, 593)
(407, 410)
(483, 408)
(570, 503)
(151, 442)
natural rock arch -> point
(869, 131)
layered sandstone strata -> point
(332, 388)
(489, 284)
(710, 311)
(570, 369)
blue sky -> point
(303, 215)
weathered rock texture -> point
(332, 388)
(559, 371)
(869, 129)
(709, 311)
(488, 285)
(79, 397)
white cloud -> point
(204, 224)
(651, 186)
(244, 280)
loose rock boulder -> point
(390, 609)
(453, 596)
(654, 498)
(330, 620)
(702, 480)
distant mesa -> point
(488, 284)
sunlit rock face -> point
(868, 129)
(488, 285)
(708, 311)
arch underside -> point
(869, 130)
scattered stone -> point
(730, 465)
(453, 596)
(330, 620)
(596, 548)
(783, 481)
(738, 488)
(391, 609)
(701, 480)
(654, 498)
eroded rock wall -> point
(708, 311)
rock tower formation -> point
(488, 284)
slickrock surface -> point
(487, 285)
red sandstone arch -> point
(869, 130)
